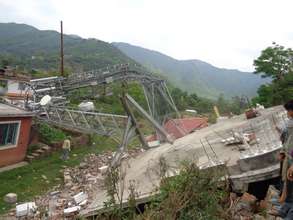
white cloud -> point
(226, 33)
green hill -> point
(195, 75)
(28, 47)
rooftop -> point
(10, 111)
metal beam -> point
(158, 127)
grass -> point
(27, 182)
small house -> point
(15, 126)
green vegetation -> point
(204, 106)
(37, 52)
(195, 76)
(193, 194)
(28, 182)
(49, 134)
(276, 62)
(33, 50)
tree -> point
(275, 61)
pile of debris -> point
(66, 200)
(247, 206)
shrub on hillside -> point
(49, 134)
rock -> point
(246, 197)
(103, 169)
(83, 203)
(83, 165)
(54, 193)
(68, 184)
(263, 204)
(244, 207)
(67, 178)
(10, 198)
(44, 177)
(74, 188)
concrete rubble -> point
(66, 200)
(26, 209)
(249, 208)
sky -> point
(225, 33)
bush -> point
(50, 134)
(192, 194)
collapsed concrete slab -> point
(245, 164)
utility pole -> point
(61, 50)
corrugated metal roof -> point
(183, 126)
(10, 111)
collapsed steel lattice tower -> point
(160, 105)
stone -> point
(10, 198)
(46, 148)
(67, 178)
(83, 203)
(35, 154)
(74, 188)
(83, 165)
(30, 157)
(103, 169)
(246, 197)
(40, 151)
(44, 177)
(54, 193)
(263, 205)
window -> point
(9, 134)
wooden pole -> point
(61, 51)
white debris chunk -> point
(103, 169)
(86, 106)
(71, 210)
(84, 202)
(25, 209)
(80, 197)
(154, 143)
